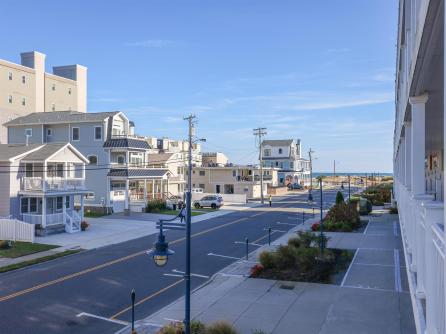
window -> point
(53, 107)
(23, 79)
(179, 170)
(97, 132)
(69, 91)
(10, 98)
(59, 170)
(33, 204)
(229, 188)
(137, 159)
(75, 134)
(280, 151)
(202, 173)
(121, 160)
(24, 205)
(59, 203)
(53, 87)
(93, 159)
(277, 164)
(23, 101)
(67, 202)
(267, 152)
(29, 170)
(29, 132)
(50, 171)
(89, 196)
(234, 173)
(291, 165)
(49, 132)
(10, 76)
(201, 185)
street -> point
(48, 298)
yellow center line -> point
(147, 298)
(106, 264)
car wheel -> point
(197, 206)
(214, 206)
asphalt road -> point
(47, 298)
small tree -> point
(339, 198)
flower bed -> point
(342, 217)
(300, 260)
(197, 327)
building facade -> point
(286, 155)
(40, 184)
(419, 139)
(27, 88)
(213, 159)
(118, 176)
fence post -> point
(15, 229)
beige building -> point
(213, 159)
(174, 162)
(26, 88)
(233, 180)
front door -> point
(217, 188)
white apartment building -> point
(419, 142)
(27, 88)
(214, 159)
(167, 145)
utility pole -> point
(334, 171)
(260, 132)
(191, 122)
(310, 152)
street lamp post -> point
(321, 225)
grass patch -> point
(93, 214)
(19, 248)
(36, 261)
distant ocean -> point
(316, 174)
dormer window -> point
(280, 151)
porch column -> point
(81, 212)
(407, 153)
(83, 171)
(145, 190)
(43, 211)
(64, 209)
(126, 197)
(418, 154)
(161, 188)
(167, 186)
(65, 170)
(153, 189)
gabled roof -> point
(12, 151)
(278, 142)
(58, 117)
(138, 172)
(43, 153)
(126, 142)
(34, 152)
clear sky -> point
(319, 70)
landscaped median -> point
(16, 255)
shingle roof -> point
(278, 142)
(43, 153)
(57, 117)
(159, 157)
(126, 142)
(8, 151)
(137, 172)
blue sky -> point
(318, 70)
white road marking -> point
(349, 267)
(249, 243)
(173, 320)
(274, 231)
(395, 229)
(232, 257)
(367, 227)
(287, 224)
(119, 322)
(396, 257)
(196, 275)
(174, 275)
(231, 275)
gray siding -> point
(16, 135)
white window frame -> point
(123, 159)
(53, 86)
(30, 131)
(94, 134)
(69, 91)
(78, 133)
(89, 196)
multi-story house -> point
(213, 159)
(167, 145)
(419, 144)
(117, 175)
(40, 184)
(231, 179)
(26, 88)
(286, 155)
(174, 162)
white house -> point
(419, 144)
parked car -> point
(295, 186)
(213, 201)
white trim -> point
(26, 132)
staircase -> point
(72, 222)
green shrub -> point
(285, 257)
(155, 205)
(306, 238)
(267, 259)
(197, 327)
(365, 206)
(221, 327)
(172, 328)
(345, 227)
(339, 198)
(294, 242)
(343, 212)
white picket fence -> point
(16, 230)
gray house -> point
(117, 175)
(40, 183)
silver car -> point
(213, 201)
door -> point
(118, 198)
(217, 188)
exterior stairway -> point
(72, 222)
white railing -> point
(72, 222)
(422, 229)
(51, 184)
(36, 218)
(16, 230)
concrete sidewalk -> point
(372, 298)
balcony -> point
(51, 184)
(256, 178)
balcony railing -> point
(51, 184)
(51, 218)
(422, 230)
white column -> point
(126, 203)
(64, 209)
(81, 212)
(43, 211)
(153, 189)
(418, 153)
(145, 190)
(408, 160)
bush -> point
(5, 244)
(198, 327)
(365, 206)
(256, 270)
(343, 212)
(378, 194)
(306, 238)
(156, 205)
(339, 198)
(295, 242)
(266, 259)
(84, 225)
(221, 327)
